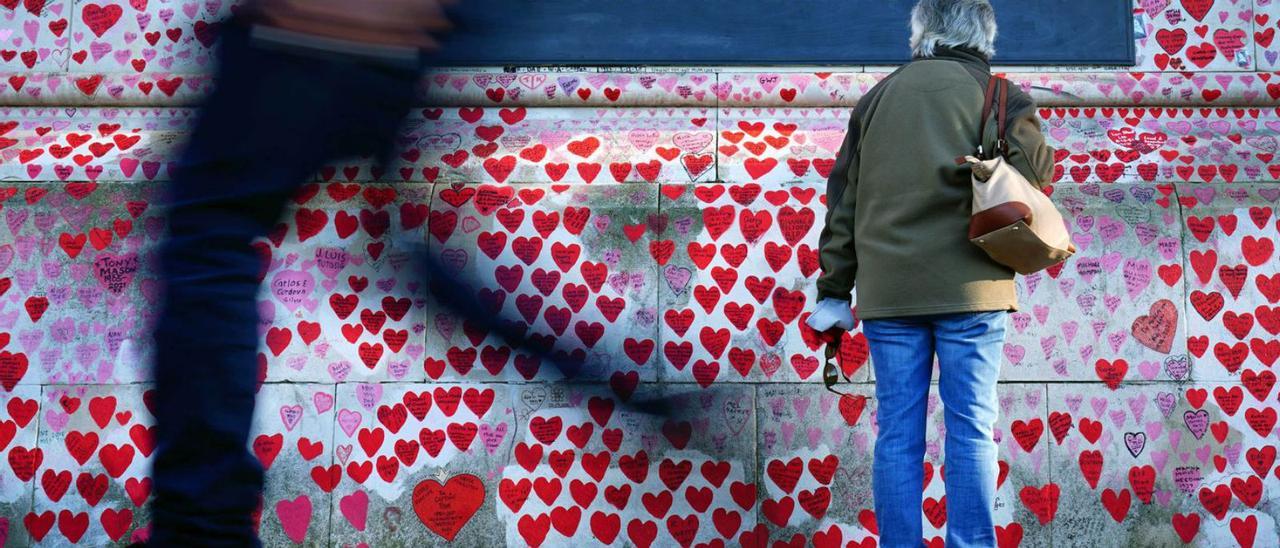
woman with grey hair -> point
(897, 222)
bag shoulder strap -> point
(1002, 121)
(997, 92)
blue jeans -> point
(968, 346)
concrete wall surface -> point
(663, 222)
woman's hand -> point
(831, 313)
(398, 23)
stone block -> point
(554, 145)
(1194, 36)
(1113, 312)
(816, 454)
(92, 484)
(775, 145)
(1092, 144)
(1160, 464)
(1048, 86)
(480, 144)
(1266, 21)
(342, 298)
(1205, 145)
(586, 469)
(55, 144)
(293, 437)
(36, 35)
(1233, 279)
(116, 36)
(19, 431)
(739, 283)
(97, 442)
(417, 464)
(100, 90)
(569, 89)
(80, 289)
(571, 265)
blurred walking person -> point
(299, 82)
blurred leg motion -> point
(276, 116)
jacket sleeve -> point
(1028, 152)
(837, 257)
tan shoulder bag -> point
(1013, 221)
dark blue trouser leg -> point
(273, 120)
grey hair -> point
(953, 23)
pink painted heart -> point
(348, 421)
(295, 517)
(355, 508)
(292, 287)
(290, 416)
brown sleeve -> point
(1028, 152)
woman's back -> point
(911, 201)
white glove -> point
(831, 313)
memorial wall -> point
(658, 224)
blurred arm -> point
(386, 23)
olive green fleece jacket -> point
(898, 205)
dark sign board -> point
(768, 32)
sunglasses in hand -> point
(832, 370)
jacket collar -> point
(962, 54)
